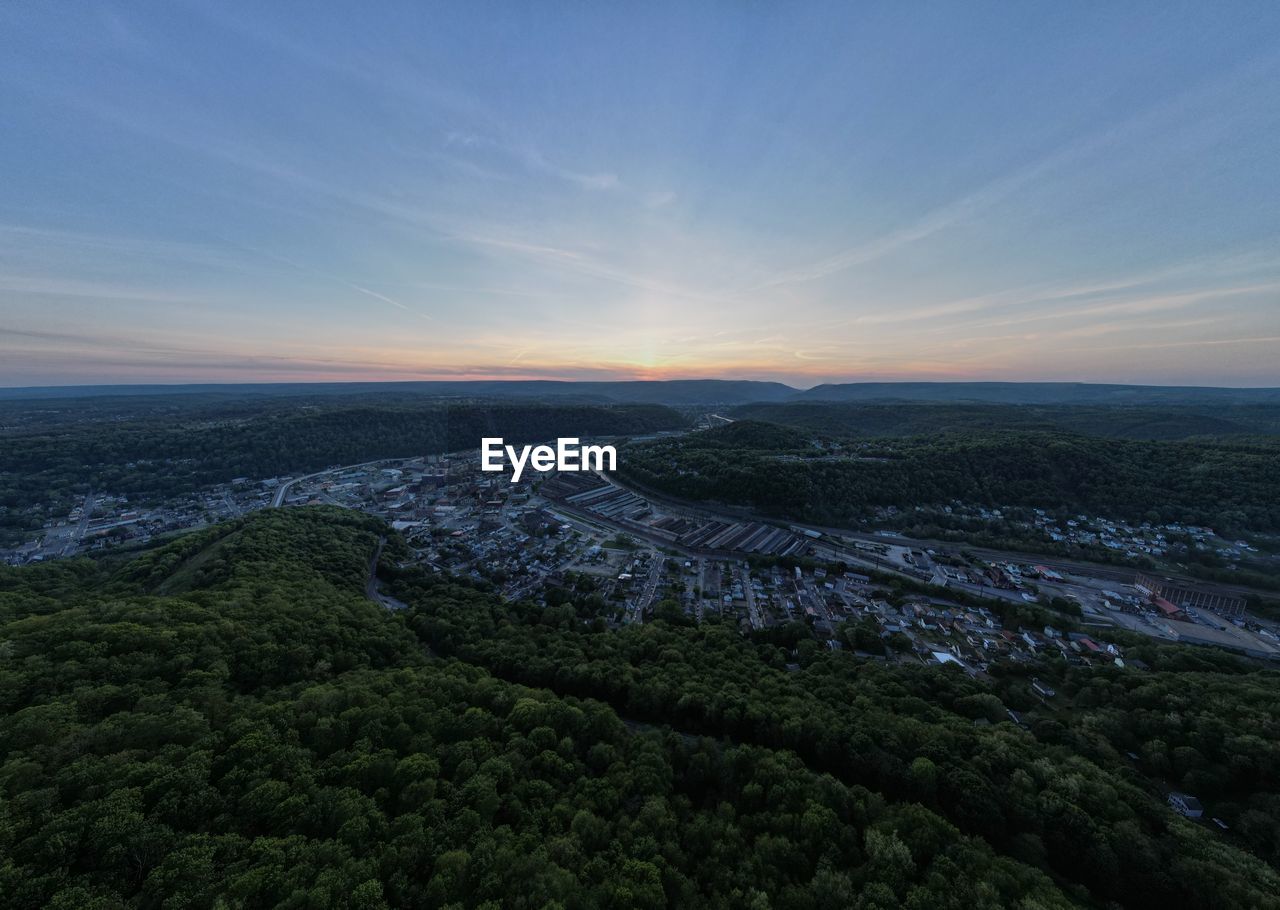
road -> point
(693, 586)
(283, 491)
(753, 612)
(278, 500)
(371, 588)
(645, 599)
(82, 527)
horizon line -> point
(698, 379)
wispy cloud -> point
(583, 263)
(325, 276)
(1192, 343)
(385, 299)
(971, 205)
(532, 159)
(1146, 303)
(54, 286)
(204, 142)
(484, 130)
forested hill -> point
(669, 391)
(43, 469)
(1156, 422)
(1232, 487)
(752, 434)
(1038, 393)
(227, 721)
(672, 392)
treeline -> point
(780, 471)
(228, 721)
(168, 454)
(1152, 422)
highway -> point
(278, 500)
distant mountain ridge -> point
(672, 391)
(695, 391)
(868, 419)
(1036, 393)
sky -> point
(807, 192)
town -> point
(583, 534)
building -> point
(1186, 805)
(1168, 609)
(1157, 587)
(1042, 690)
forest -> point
(787, 472)
(150, 449)
(1235, 421)
(226, 720)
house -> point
(1041, 689)
(1186, 805)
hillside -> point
(1155, 422)
(749, 434)
(690, 392)
(673, 391)
(1036, 393)
(263, 735)
(1231, 487)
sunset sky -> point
(220, 191)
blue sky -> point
(809, 192)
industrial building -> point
(1178, 594)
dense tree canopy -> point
(227, 721)
(1156, 422)
(1069, 801)
(1230, 487)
